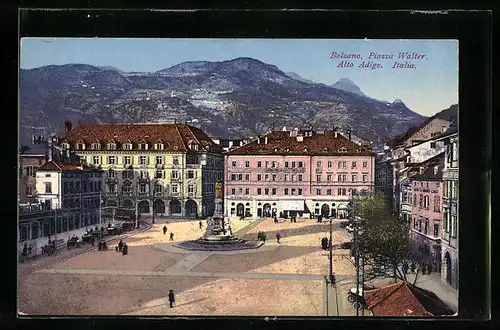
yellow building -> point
(169, 168)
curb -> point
(80, 251)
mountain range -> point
(229, 99)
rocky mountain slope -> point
(230, 99)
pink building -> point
(296, 173)
(426, 229)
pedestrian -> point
(230, 231)
(201, 224)
(412, 267)
(275, 220)
(171, 236)
(324, 243)
(171, 298)
(120, 246)
(92, 240)
(278, 236)
(125, 249)
(295, 218)
(429, 269)
(164, 230)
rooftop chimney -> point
(68, 126)
(258, 139)
(265, 140)
(336, 134)
(349, 133)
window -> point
(318, 164)
(127, 160)
(175, 160)
(365, 177)
(233, 163)
(353, 165)
(342, 177)
(159, 146)
(191, 189)
(301, 164)
(175, 174)
(329, 192)
(259, 177)
(247, 191)
(190, 174)
(293, 164)
(266, 191)
(175, 188)
(48, 187)
(273, 191)
(354, 178)
(286, 164)
(158, 174)
(426, 224)
(127, 146)
(111, 174)
(274, 164)
(300, 177)
(354, 192)
(96, 146)
(111, 160)
(415, 200)
(285, 191)
(247, 163)
(286, 177)
(328, 177)
(329, 163)
(267, 164)
(143, 146)
(159, 160)
(318, 191)
(274, 177)
(247, 177)
(30, 171)
(318, 177)
(259, 164)
(233, 177)
(436, 230)
(437, 204)
(293, 177)
(259, 191)
(454, 226)
(341, 191)
(266, 177)
(95, 160)
(142, 188)
(300, 191)
(142, 160)
(240, 177)
(293, 191)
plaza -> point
(286, 279)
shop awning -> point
(295, 205)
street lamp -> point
(332, 277)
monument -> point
(219, 234)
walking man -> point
(171, 236)
(278, 236)
(164, 230)
(171, 298)
(201, 224)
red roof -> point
(57, 166)
(282, 143)
(175, 137)
(405, 299)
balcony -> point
(175, 180)
(175, 194)
(191, 194)
(143, 194)
(127, 193)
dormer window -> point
(80, 146)
(143, 145)
(287, 149)
(306, 149)
(343, 149)
(159, 146)
(65, 146)
(275, 149)
(111, 146)
(127, 146)
(325, 149)
(96, 146)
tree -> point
(383, 240)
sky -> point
(429, 87)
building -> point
(384, 174)
(30, 159)
(405, 299)
(68, 202)
(170, 169)
(292, 172)
(449, 237)
(426, 213)
(413, 146)
(227, 144)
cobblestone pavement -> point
(288, 277)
